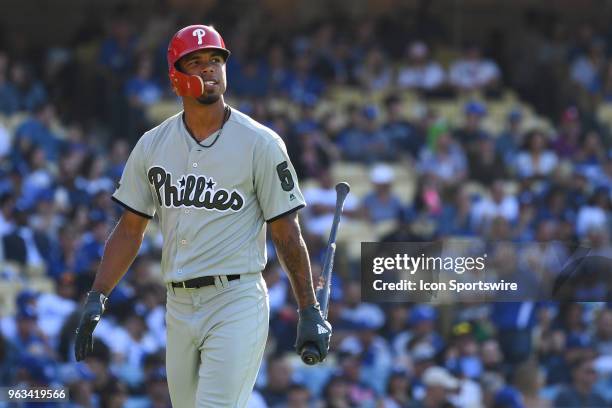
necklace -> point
(226, 114)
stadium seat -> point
(160, 111)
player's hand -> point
(93, 310)
(312, 328)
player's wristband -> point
(307, 310)
(98, 297)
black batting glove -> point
(312, 328)
(92, 311)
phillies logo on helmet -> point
(198, 32)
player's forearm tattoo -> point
(293, 256)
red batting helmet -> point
(189, 39)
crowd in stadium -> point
(67, 125)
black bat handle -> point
(310, 354)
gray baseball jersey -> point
(213, 198)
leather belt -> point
(201, 281)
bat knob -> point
(310, 354)
(343, 188)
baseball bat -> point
(310, 354)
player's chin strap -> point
(186, 85)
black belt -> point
(199, 282)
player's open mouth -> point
(210, 82)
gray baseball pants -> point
(215, 341)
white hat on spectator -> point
(382, 174)
(438, 376)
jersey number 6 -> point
(284, 176)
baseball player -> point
(216, 179)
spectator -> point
(420, 72)
(81, 393)
(90, 252)
(336, 393)
(54, 308)
(252, 80)
(462, 356)
(401, 134)
(373, 351)
(98, 363)
(277, 68)
(37, 130)
(508, 397)
(457, 218)
(29, 92)
(581, 393)
(446, 161)
(545, 257)
(298, 396)
(471, 132)
(63, 256)
(587, 70)
(315, 153)
(29, 338)
(9, 100)
(94, 179)
(132, 341)
(422, 354)
(508, 142)
(439, 388)
(607, 83)
(6, 139)
(301, 84)
(473, 72)
(397, 391)
(422, 321)
(9, 356)
(595, 214)
(499, 204)
(39, 178)
(362, 140)
(114, 394)
(375, 74)
(157, 389)
(567, 141)
(529, 380)
(591, 156)
(359, 393)
(278, 382)
(142, 90)
(322, 204)
(536, 160)
(24, 243)
(491, 356)
(485, 163)
(603, 332)
(514, 321)
(381, 204)
(117, 49)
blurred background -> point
(450, 119)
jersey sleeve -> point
(276, 184)
(133, 192)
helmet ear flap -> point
(186, 85)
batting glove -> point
(93, 310)
(312, 328)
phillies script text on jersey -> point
(192, 191)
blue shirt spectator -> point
(38, 130)
(381, 204)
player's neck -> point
(204, 120)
